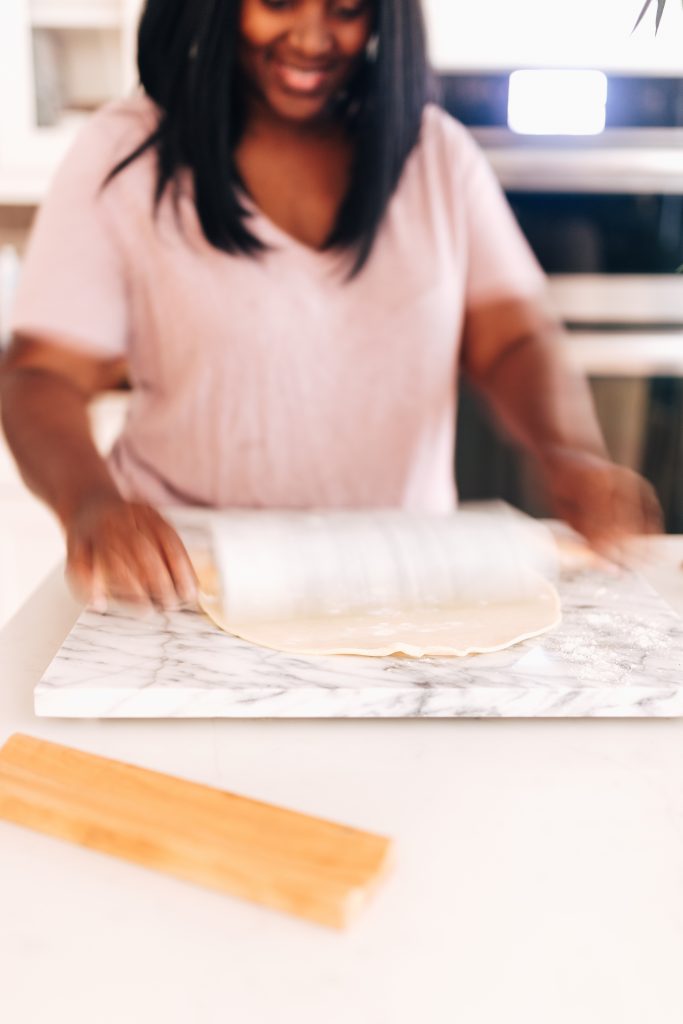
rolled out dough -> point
(415, 632)
(380, 583)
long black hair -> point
(187, 61)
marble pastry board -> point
(617, 653)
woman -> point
(295, 254)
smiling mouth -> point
(302, 81)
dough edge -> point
(544, 614)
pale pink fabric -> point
(273, 382)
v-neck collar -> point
(274, 237)
(272, 234)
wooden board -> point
(307, 866)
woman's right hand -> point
(124, 551)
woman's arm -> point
(514, 354)
(44, 396)
(114, 548)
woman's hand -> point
(126, 552)
(605, 502)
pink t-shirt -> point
(274, 381)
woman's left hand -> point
(605, 502)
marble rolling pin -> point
(277, 564)
(306, 866)
(382, 582)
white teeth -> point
(301, 81)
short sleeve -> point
(500, 262)
(73, 281)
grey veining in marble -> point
(618, 652)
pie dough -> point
(380, 583)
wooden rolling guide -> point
(307, 866)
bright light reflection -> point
(557, 102)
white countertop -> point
(538, 875)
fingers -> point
(653, 517)
(635, 508)
(608, 504)
(589, 510)
(107, 576)
(130, 554)
(98, 589)
(178, 565)
(137, 574)
(79, 570)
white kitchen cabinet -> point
(59, 60)
(499, 35)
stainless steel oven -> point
(604, 213)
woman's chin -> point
(298, 109)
